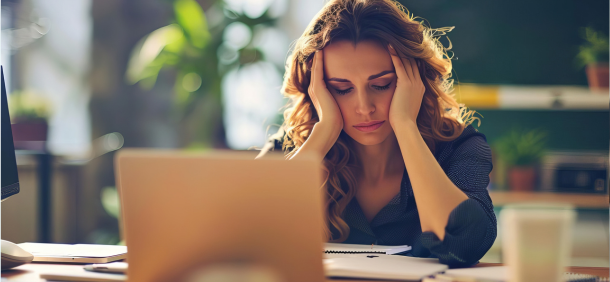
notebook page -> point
(372, 249)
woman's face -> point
(362, 80)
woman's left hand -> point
(409, 92)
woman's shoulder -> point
(468, 132)
(470, 140)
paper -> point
(68, 272)
(500, 274)
(491, 273)
(78, 250)
(354, 248)
(381, 267)
(84, 277)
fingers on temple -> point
(408, 62)
(415, 68)
(312, 80)
(398, 64)
(319, 68)
(313, 68)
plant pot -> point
(29, 130)
(598, 76)
(522, 178)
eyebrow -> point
(370, 77)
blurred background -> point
(87, 77)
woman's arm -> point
(434, 192)
(326, 131)
(472, 227)
(455, 211)
(458, 223)
(319, 142)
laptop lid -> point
(183, 212)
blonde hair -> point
(440, 118)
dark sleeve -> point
(472, 227)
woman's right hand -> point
(325, 104)
(326, 131)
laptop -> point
(187, 214)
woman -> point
(370, 96)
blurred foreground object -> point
(537, 241)
(594, 55)
(520, 151)
(182, 212)
(235, 272)
(105, 144)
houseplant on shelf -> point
(593, 55)
(520, 152)
(29, 113)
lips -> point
(369, 126)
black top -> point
(471, 229)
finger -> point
(313, 70)
(398, 65)
(312, 81)
(319, 68)
(415, 67)
(408, 67)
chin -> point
(368, 139)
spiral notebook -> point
(338, 248)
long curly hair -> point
(440, 117)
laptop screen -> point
(8, 166)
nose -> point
(365, 104)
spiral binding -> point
(577, 277)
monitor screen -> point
(8, 166)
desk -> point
(28, 272)
(579, 201)
(44, 165)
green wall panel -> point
(568, 130)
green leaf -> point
(191, 18)
(150, 54)
(519, 147)
(110, 201)
(595, 48)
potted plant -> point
(29, 112)
(593, 55)
(197, 56)
(520, 151)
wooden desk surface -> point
(587, 201)
(28, 272)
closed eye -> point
(344, 91)
(382, 87)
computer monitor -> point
(8, 166)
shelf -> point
(588, 201)
(531, 97)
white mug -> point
(536, 243)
